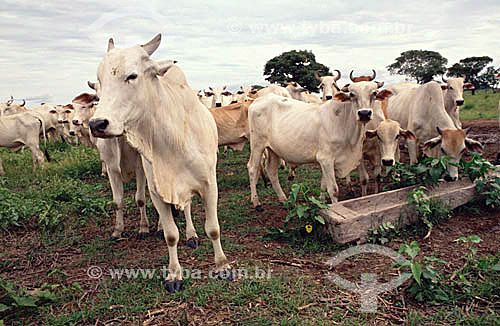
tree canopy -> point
(422, 65)
(471, 69)
(297, 66)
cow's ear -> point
(91, 85)
(473, 145)
(383, 94)
(408, 134)
(342, 97)
(371, 134)
(253, 91)
(208, 94)
(432, 143)
(444, 87)
(164, 66)
(345, 88)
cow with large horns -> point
(328, 85)
(174, 133)
(362, 78)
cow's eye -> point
(352, 95)
(374, 94)
(449, 87)
(131, 77)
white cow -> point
(422, 111)
(271, 89)
(174, 133)
(242, 95)
(22, 129)
(220, 97)
(328, 85)
(453, 93)
(330, 134)
(8, 108)
(84, 106)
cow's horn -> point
(374, 75)
(24, 102)
(152, 45)
(316, 75)
(338, 75)
(350, 75)
(444, 80)
(9, 102)
(111, 44)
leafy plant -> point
(14, 299)
(384, 233)
(303, 205)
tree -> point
(297, 66)
(419, 64)
(488, 78)
(470, 68)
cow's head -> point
(362, 78)
(63, 113)
(126, 78)
(217, 93)
(388, 133)
(453, 143)
(328, 85)
(362, 96)
(241, 95)
(454, 90)
(296, 91)
(84, 107)
(8, 108)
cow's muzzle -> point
(328, 97)
(365, 115)
(218, 105)
(72, 133)
(388, 162)
(76, 122)
(460, 102)
(234, 102)
(98, 126)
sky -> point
(48, 51)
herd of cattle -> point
(147, 122)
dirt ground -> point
(33, 259)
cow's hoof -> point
(173, 286)
(291, 177)
(259, 208)
(160, 235)
(226, 275)
(175, 211)
(113, 239)
(142, 235)
(103, 175)
(193, 242)
(282, 167)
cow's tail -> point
(45, 150)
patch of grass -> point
(482, 106)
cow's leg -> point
(272, 166)
(322, 186)
(173, 282)
(413, 150)
(37, 156)
(377, 170)
(140, 199)
(363, 177)
(103, 169)
(327, 169)
(213, 231)
(115, 178)
(253, 173)
(192, 238)
(291, 171)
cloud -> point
(54, 48)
